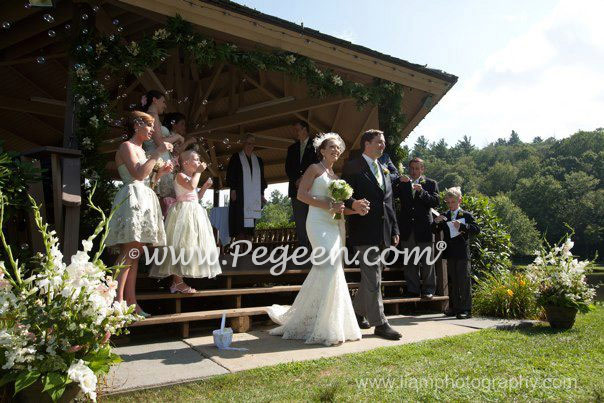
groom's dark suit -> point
(375, 229)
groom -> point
(373, 231)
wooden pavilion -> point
(221, 102)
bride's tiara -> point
(329, 136)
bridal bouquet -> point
(56, 319)
(339, 191)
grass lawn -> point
(530, 364)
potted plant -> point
(562, 288)
(56, 319)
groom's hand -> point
(361, 206)
(395, 239)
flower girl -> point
(191, 250)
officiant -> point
(300, 156)
(245, 178)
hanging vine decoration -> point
(101, 57)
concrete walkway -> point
(166, 363)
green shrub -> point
(274, 225)
(505, 294)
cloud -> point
(547, 81)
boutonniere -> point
(459, 215)
(386, 171)
(422, 180)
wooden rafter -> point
(21, 76)
(268, 112)
(26, 106)
(215, 74)
(336, 120)
(373, 111)
(127, 91)
(34, 25)
(272, 95)
(11, 62)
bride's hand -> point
(337, 208)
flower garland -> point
(101, 57)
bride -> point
(322, 312)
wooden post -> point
(71, 195)
(36, 190)
(57, 185)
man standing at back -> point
(300, 156)
(417, 195)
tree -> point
(421, 148)
(523, 230)
(277, 212)
(440, 150)
(500, 178)
(514, 139)
(451, 179)
(541, 198)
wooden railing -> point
(66, 196)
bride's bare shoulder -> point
(315, 169)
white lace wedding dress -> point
(322, 312)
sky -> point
(536, 67)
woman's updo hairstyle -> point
(147, 99)
(135, 119)
(321, 141)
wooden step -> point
(260, 272)
(253, 311)
(148, 296)
(415, 299)
(200, 315)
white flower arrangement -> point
(87, 143)
(100, 49)
(161, 34)
(133, 48)
(94, 122)
(561, 278)
(337, 80)
(81, 71)
(56, 323)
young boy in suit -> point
(457, 226)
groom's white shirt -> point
(370, 162)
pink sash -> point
(169, 201)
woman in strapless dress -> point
(137, 220)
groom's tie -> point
(376, 172)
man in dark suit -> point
(457, 253)
(417, 195)
(300, 156)
(371, 231)
(386, 161)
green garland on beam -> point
(100, 57)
